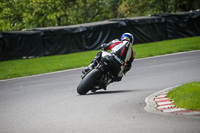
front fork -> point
(105, 67)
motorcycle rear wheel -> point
(87, 83)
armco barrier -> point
(68, 39)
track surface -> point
(50, 104)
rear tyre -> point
(87, 83)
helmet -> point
(127, 36)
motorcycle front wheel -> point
(87, 83)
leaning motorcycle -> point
(97, 78)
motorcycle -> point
(97, 78)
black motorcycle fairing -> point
(104, 65)
(101, 81)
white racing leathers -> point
(122, 52)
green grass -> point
(167, 47)
(186, 96)
(26, 67)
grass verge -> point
(26, 67)
(186, 96)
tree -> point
(20, 14)
(44, 13)
(11, 14)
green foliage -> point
(11, 14)
(25, 14)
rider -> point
(122, 55)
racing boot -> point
(93, 63)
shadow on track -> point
(109, 92)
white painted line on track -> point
(43, 74)
(162, 96)
(173, 110)
(166, 106)
(84, 67)
(157, 100)
(163, 103)
(169, 54)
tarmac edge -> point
(151, 106)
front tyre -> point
(87, 83)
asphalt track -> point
(49, 103)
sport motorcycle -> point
(98, 78)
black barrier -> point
(83, 37)
(69, 39)
(22, 44)
(180, 25)
(1, 47)
(146, 29)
